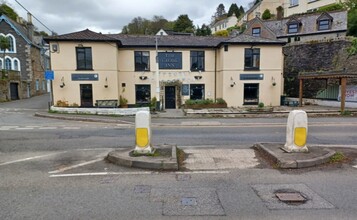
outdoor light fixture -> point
(232, 82)
(143, 77)
(62, 82)
(273, 81)
(198, 77)
(106, 82)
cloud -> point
(111, 15)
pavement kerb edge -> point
(315, 161)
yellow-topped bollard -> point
(143, 132)
(296, 132)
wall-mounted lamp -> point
(62, 82)
(273, 81)
(143, 77)
(198, 77)
(80, 45)
(106, 82)
(232, 82)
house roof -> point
(177, 41)
(19, 29)
(308, 24)
(85, 35)
(248, 39)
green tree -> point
(157, 23)
(234, 9)
(352, 22)
(266, 14)
(8, 11)
(352, 50)
(220, 11)
(4, 44)
(138, 25)
(203, 31)
(184, 24)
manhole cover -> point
(189, 201)
(183, 177)
(291, 197)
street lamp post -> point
(157, 76)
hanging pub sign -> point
(170, 60)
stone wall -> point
(315, 56)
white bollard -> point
(296, 132)
(143, 132)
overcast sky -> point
(109, 16)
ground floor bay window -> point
(142, 94)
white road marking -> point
(25, 128)
(75, 166)
(48, 128)
(136, 173)
(355, 166)
(29, 158)
(71, 128)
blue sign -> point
(170, 60)
(49, 75)
(84, 77)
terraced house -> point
(91, 67)
(24, 62)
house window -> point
(256, 32)
(324, 25)
(37, 85)
(43, 85)
(197, 91)
(197, 60)
(142, 94)
(294, 3)
(11, 44)
(84, 58)
(142, 61)
(293, 28)
(252, 58)
(16, 65)
(8, 65)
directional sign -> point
(49, 75)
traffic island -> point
(162, 158)
(282, 159)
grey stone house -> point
(24, 63)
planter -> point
(206, 106)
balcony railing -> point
(10, 75)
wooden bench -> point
(110, 103)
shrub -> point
(61, 103)
(266, 14)
(261, 105)
(220, 101)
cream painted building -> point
(91, 67)
(302, 6)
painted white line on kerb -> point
(135, 173)
(26, 159)
(75, 166)
(101, 174)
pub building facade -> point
(89, 66)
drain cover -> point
(290, 197)
(189, 201)
(183, 177)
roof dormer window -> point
(293, 28)
(324, 22)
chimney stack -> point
(30, 27)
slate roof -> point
(85, 35)
(164, 41)
(308, 22)
(21, 30)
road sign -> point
(49, 75)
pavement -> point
(206, 159)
